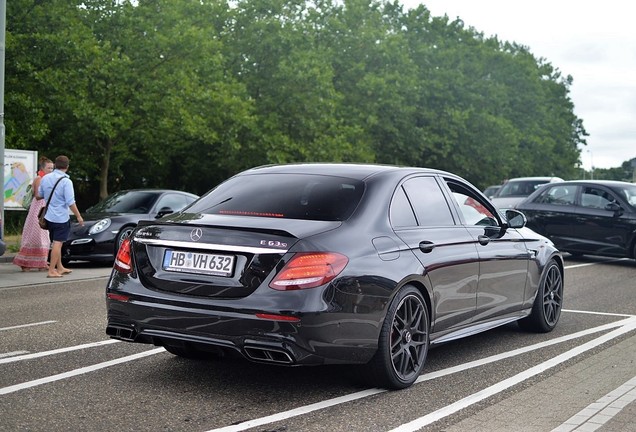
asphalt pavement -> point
(586, 393)
(13, 276)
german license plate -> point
(201, 263)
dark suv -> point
(585, 217)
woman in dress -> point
(35, 243)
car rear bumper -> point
(316, 338)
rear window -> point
(288, 196)
(520, 188)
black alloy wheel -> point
(403, 343)
(546, 310)
(124, 233)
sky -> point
(593, 41)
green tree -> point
(158, 93)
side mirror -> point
(515, 218)
(164, 211)
(614, 207)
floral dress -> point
(35, 243)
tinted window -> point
(629, 193)
(174, 202)
(558, 195)
(290, 196)
(473, 210)
(594, 197)
(401, 213)
(139, 202)
(519, 188)
(431, 208)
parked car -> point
(491, 191)
(586, 216)
(516, 190)
(3, 247)
(314, 264)
(110, 221)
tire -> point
(547, 306)
(123, 234)
(403, 342)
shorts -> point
(59, 231)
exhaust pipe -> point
(268, 355)
(121, 332)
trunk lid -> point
(215, 256)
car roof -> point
(552, 179)
(349, 170)
(155, 190)
(599, 182)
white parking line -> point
(507, 383)
(284, 415)
(58, 351)
(596, 263)
(13, 353)
(597, 313)
(80, 371)
(27, 325)
(601, 411)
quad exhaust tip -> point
(122, 333)
(268, 355)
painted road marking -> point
(514, 380)
(57, 351)
(601, 411)
(284, 415)
(596, 263)
(26, 325)
(13, 353)
(76, 372)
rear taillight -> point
(309, 270)
(123, 260)
(117, 297)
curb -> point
(7, 258)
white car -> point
(517, 189)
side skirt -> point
(477, 328)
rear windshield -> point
(288, 196)
(520, 188)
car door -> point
(503, 254)
(422, 218)
(553, 213)
(599, 229)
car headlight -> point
(100, 226)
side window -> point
(473, 210)
(431, 208)
(593, 197)
(173, 201)
(401, 212)
(558, 195)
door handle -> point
(483, 240)
(427, 246)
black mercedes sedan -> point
(313, 264)
(586, 217)
(109, 222)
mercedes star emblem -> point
(196, 234)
